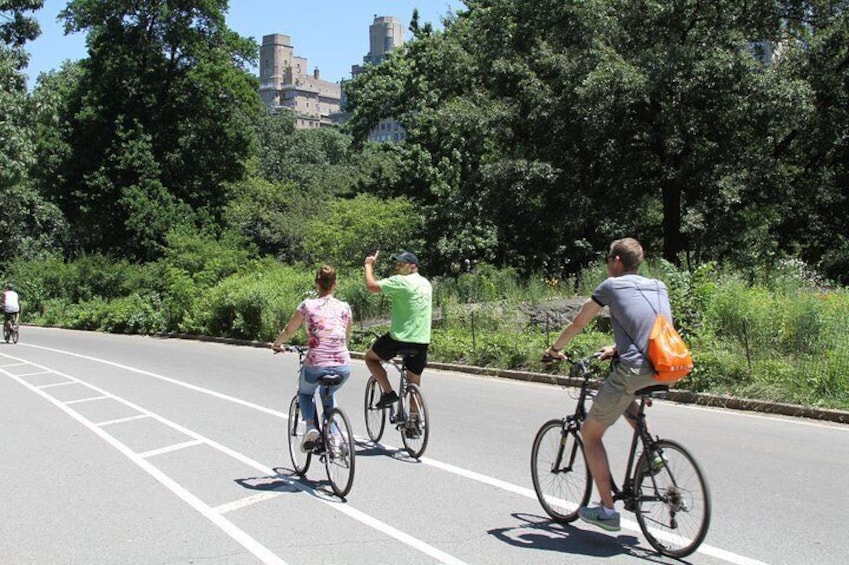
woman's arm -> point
(294, 323)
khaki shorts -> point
(617, 391)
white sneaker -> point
(308, 443)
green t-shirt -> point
(411, 307)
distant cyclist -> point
(409, 328)
(328, 322)
(11, 304)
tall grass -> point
(778, 336)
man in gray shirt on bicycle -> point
(634, 302)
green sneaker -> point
(596, 517)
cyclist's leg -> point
(380, 351)
(415, 366)
(615, 396)
(328, 394)
(307, 385)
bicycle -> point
(11, 329)
(409, 414)
(335, 447)
(664, 486)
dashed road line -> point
(243, 538)
(706, 549)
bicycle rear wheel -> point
(559, 470)
(672, 503)
(340, 452)
(15, 333)
(6, 332)
(295, 430)
(416, 429)
(375, 417)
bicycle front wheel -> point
(6, 332)
(375, 417)
(295, 430)
(340, 452)
(416, 429)
(672, 500)
(559, 470)
(15, 333)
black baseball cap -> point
(407, 257)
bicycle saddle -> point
(330, 380)
(649, 390)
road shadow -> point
(285, 481)
(542, 534)
(374, 449)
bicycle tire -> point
(375, 417)
(295, 430)
(339, 459)
(561, 488)
(6, 332)
(673, 504)
(15, 333)
(415, 433)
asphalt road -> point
(127, 449)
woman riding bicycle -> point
(328, 323)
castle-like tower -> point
(284, 82)
(385, 34)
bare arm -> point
(589, 309)
(290, 329)
(371, 282)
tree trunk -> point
(673, 242)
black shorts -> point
(386, 348)
(9, 316)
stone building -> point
(385, 34)
(285, 82)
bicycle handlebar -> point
(299, 349)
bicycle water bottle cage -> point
(330, 380)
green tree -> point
(352, 229)
(28, 225)
(159, 121)
(539, 130)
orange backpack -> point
(668, 353)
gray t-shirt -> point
(634, 302)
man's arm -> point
(589, 309)
(371, 282)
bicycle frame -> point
(642, 437)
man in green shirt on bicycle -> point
(409, 329)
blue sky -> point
(331, 34)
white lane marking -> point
(168, 380)
(247, 501)
(34, 374)
(121, 420)
(13, 364)
(51, 385)
(204, 509)
(171, 448)
(522, 491)
(239, 535)
(89, 399)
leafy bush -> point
(351, 229)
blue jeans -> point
(308, 383)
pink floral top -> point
(327, 320)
